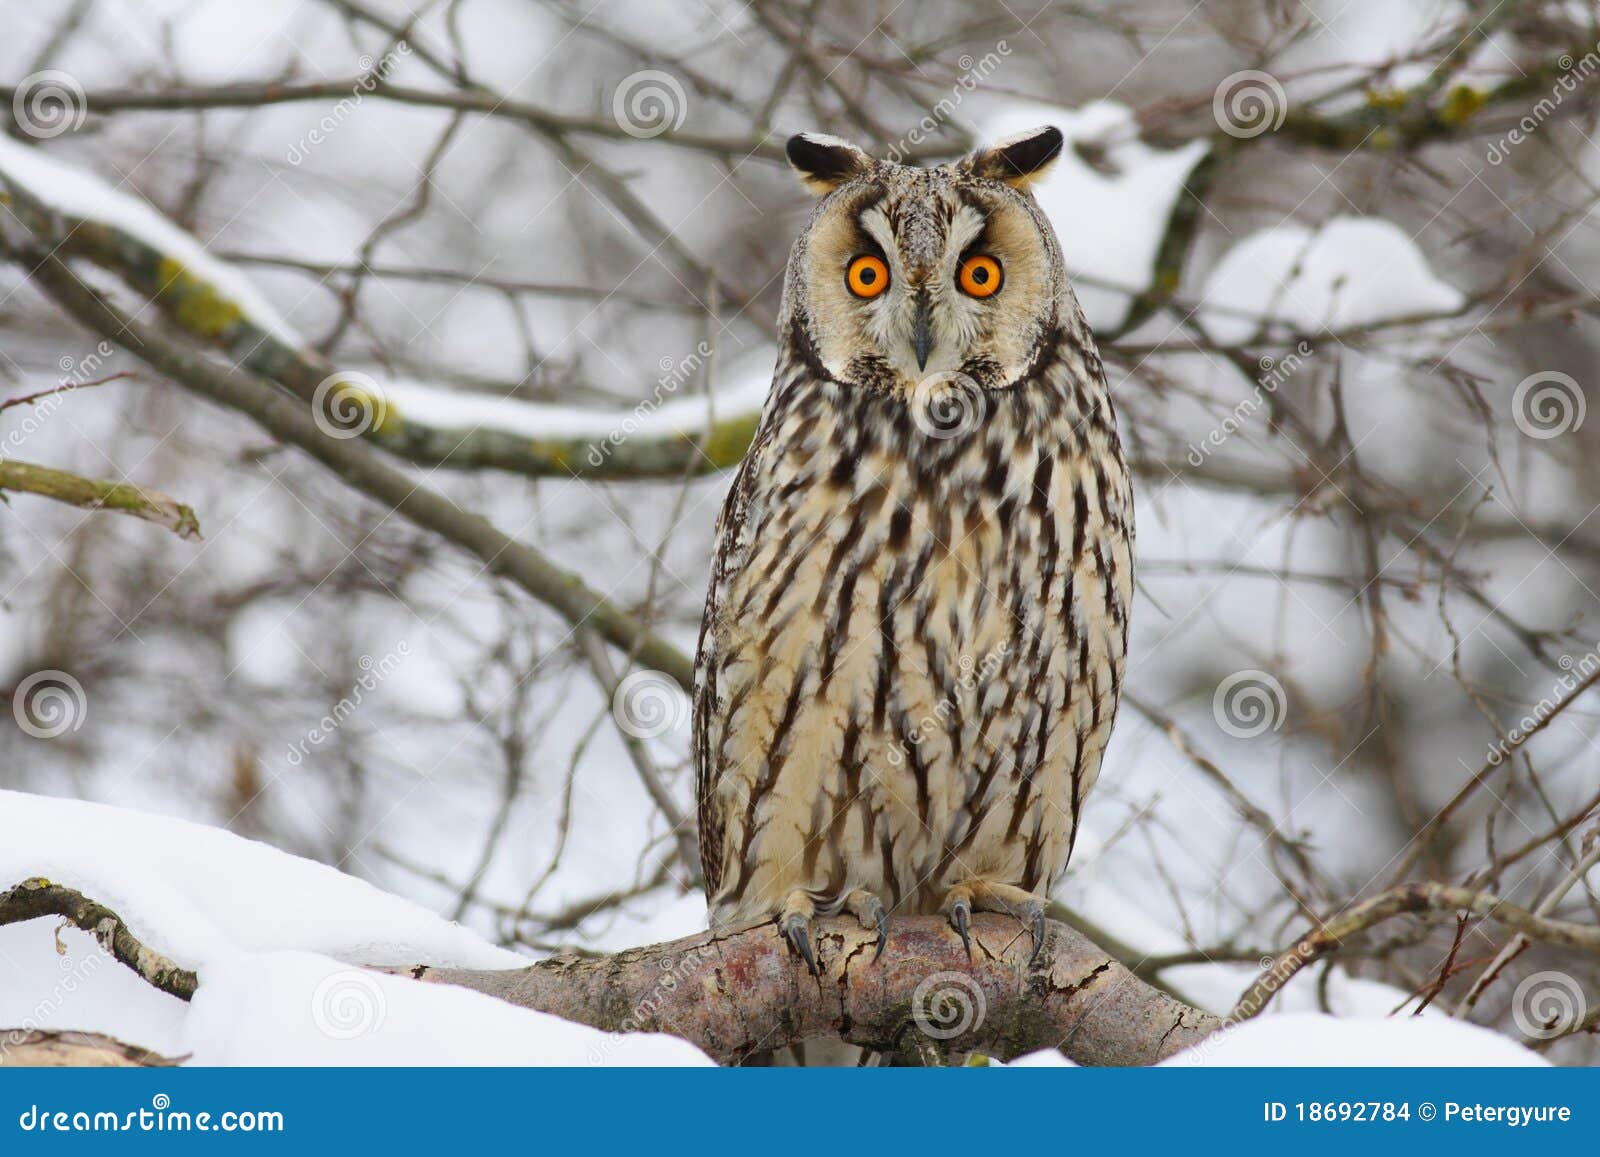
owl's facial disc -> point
(962, 277)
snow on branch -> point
(365, 470)
(735, 994)
(214, 304)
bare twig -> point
(100, 494)
(1408, 899)
(37, 897)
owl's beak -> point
(922, 329)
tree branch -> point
(1408, 899)
(39, 1049)
(208, 316)
(362, 468)
(39, 897)
(739, 993)
(100, 494)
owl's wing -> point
(733, 536)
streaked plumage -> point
(914, 638)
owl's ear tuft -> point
(1021, 160)
(823, 162)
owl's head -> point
(903, 273)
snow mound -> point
(1312, 1038)
(292, 1008)
(275, 940)
(1315, 1039)
(1350, 271)
(194, 893)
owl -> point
(914, 637)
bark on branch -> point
(739, 993)
(38, 1049)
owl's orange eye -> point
(981, 276)
(867, 276)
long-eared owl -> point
(914, 639)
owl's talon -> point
(1033, 914)
(961, 917)
(797, 929)
(868, 909)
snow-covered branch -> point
(736, 994)
(364, 470)
(213, 304)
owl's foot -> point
(868, 909)
(795, 920)
(986, 896)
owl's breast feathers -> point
(914, 642)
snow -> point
(77, 193)
(1314, 1039)
(1350, 271)
(660, 415)
(1128, 197)
(1132, 195)
(195, 892)
(297, 1008)
(1309, 1038)
(275, 940)
(1376, 40)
